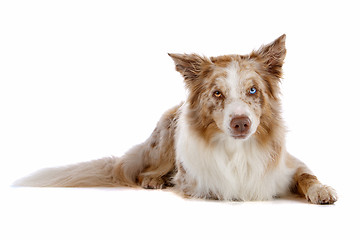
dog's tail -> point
(105, 172)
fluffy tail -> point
(105, 172)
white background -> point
(80, 80)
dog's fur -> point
(226, 141)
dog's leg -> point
(157, 177)
(159, 153)
(306, 184)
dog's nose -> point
(240, 125)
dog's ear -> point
(272, 55)
(191, 66)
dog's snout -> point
(240, 125)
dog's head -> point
(234, 94)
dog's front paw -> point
(321, 194)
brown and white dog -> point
(226, 141)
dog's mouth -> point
(239, 136)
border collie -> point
(226, 141)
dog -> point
(226, 141)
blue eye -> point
(252, 90)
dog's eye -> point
(252, 90)
(217, 94)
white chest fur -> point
(229, 169)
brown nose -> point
(240, 125)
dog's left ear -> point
(191, 66)
(272, 55)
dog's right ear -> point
(191, 66)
